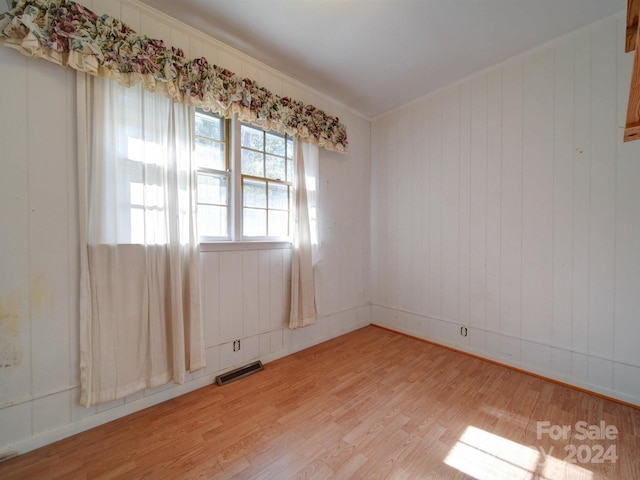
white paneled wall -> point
(245, 289)
(36, 261)
(508, 203)
(245, 296)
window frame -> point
(235, 206)
(238, 180)
(227, 172)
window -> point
(254, 204)
(212, 160)
(267, 182)
(131, 154)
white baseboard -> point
(327, 327)
(387, 321)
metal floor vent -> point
(239, 373)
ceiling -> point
(375, 55)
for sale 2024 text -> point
(581, 431)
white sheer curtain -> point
(305, 237)
(140, 302)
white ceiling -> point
(375, 55)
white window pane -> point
(144, 151)
(275, 144)
(254, 193)
(252, 163)
(212, 189)
(154, 197)
(134, 150)
(155, 227)
(251, 137)
(209, 126)
(136, 193)
(275, 168)
(209, 154)
(212, 221)
(137, 226)
(278, 223)
(254, 222)
(278, 196)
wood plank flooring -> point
(370, 404)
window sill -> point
(226, 246)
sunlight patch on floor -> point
(486, 456)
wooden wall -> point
(509, 204)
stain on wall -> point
(41, 295)
(10, 326)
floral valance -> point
(69, 34)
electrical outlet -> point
(236, 345)
(463, 331)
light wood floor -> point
(370, 404)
